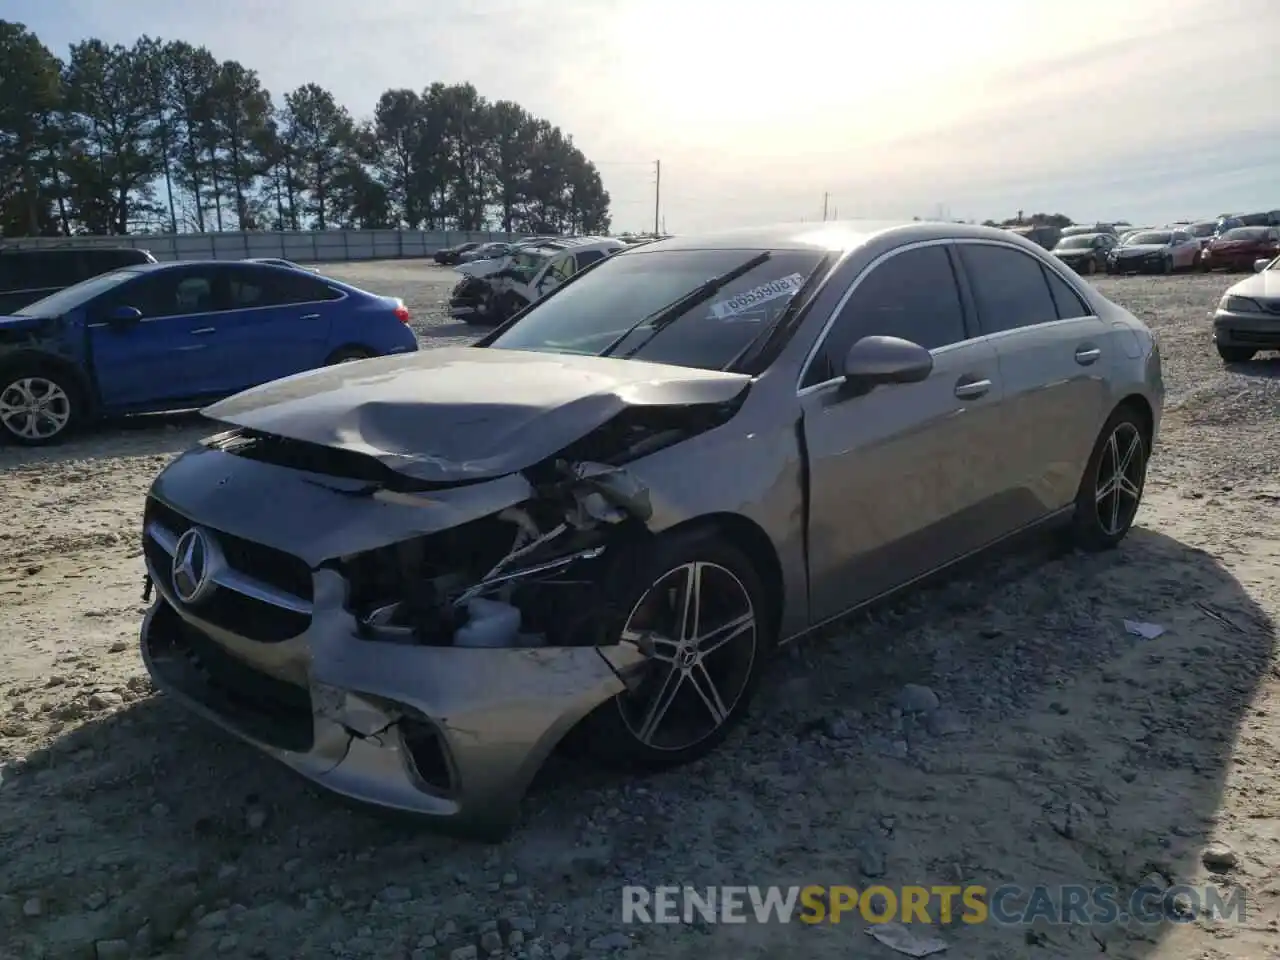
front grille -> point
(264, 708)
(1261, 339)
(253, 617)
(281, 570)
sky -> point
(1141, 110)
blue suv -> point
(172, 336)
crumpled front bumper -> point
(451, 733)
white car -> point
(490, 291)
(1248, 316)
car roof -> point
(827, 237)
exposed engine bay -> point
(527, 575)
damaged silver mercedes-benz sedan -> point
(411, 578)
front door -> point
(1053, 362)
(165, 356)
(906, 478)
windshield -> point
(1245, 233)
(1206, 229)
(591, 313)
(1080, 242)
(55, 305)
(1077, 231)
(1155, 239)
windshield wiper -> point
(662, 318)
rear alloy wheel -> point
(1111, 489)
(1235, 354)
(36, 407)
(702, 624)
(1091, 267)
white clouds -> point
(755, 108)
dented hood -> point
(465, 413)
(482, 268)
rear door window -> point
(265, 286)
(1068, 303)
(1010, 287)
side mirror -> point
(124, 316)
(874, 361)
(1260, 265)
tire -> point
(633, 731)
(348, 355)
(54, 398)
(1235, 354)
(1101, 521)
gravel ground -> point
(999, 728)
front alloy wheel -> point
(692, 610)
(697, 624)
(35, 409)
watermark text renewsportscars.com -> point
(1007, 905)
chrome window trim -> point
(802, 391)
(216, 313)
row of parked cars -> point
(1230, 243)
(95, 332)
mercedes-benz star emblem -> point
(196, 560)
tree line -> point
(162, 136)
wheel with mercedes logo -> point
(39, 404)
(693, 604)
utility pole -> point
(825, 197)
(657, 194)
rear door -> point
(166, 355)
(278, 323)
(1053, 364)
(907, 477)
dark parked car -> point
(28, 275)
(1154, 251)
(1085, 252)
(171, 336)
(1237, 249)
(412, 583)
(450, 256)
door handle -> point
(203, 330)
(1087, 355)
(972, 389)
(310, 316)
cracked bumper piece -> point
(454, 734)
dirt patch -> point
(1061, 749)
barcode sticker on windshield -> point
(749, 299)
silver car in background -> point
(411, 578)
